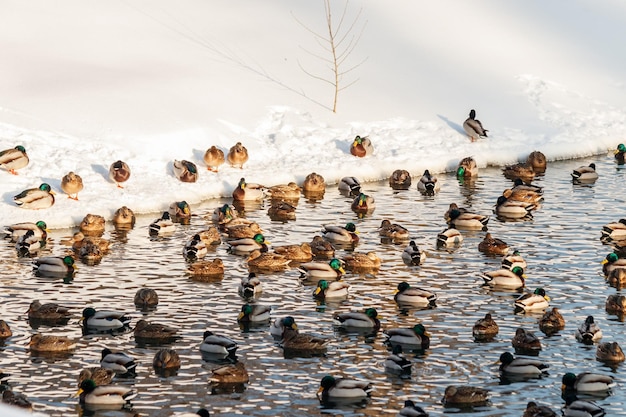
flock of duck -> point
(319, 265)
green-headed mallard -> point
(146, 298)
(13, 159)
(575, 407)
(523, 171)
(467, 168)
(361, 146)
(612, 261)
(278, 326)
(185, 171)
(363, 204)
(362, 262)
(219, 345)
(322, 248)
(247, 245)
(315, 271)
(124, 217)
(54, 266)
(118, 362)
(91, 394)
(154, 332)
(410, 409)
(281, 211)
(449, 238)
(504, 278)
(101, 376)
(332, 388)
(513, 209)
(551, 322)
(616, 304)
(28, 244)
(50, 344)
(586, 382)
(40, 229)
(536, 410)
(104, 319)
(589, 331)
(262, 260)
(35, 198)
(349, 186)
(459, 219)
(254, 313)
(290, 192)
(485, 329)
(464, 395)
(493, 246)
(242, 230)
(585, 174)
(297, 253)
(538, 161)
(609, 352)
(524, 196)
(413, 296)
(92, 225)
(428, 184)
(72, 183)
(250, 286)
(194, 248)
(180, 210)
(415, 337)
(246, 191)
(314, 183)
(341, 234)
(367, 319)
(119, 172)
(412, 255)
(396, 363)
(614, 231)
(5, 330)
(525, 342)
(473, 127)
(537, 300)
(162, 226)
(213, 158)
(393, 231)
(400, 179)
(237, 155)
(620, 153)
(213, 269)
(48, 312)
(331, 289)
(295, 343)
(229, 374)
(166, 359)
(512, 260)
(224, 214)
(509, 364)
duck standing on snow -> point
(213, 158)
(473, 127)
(35, 198)
(237, 155)
(72, 184)
(119, 172)
(13, 159)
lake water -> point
(561, 245)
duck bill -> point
(80, 391)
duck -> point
(467, 168)
(250, 286)
(525, 341)
(185, 171)
(48, 312)
(332, 388)
(535, 410)
(459, 219)
(210, 236)
(612, 261)
(620, 154)
(522, 171)
(248, 191)
(14, 399)
(162, 226)
(586, 174)
(213, 158)
(13, 159)
(314, 271)
(527, 302)
(92, 225)
(341, 234)
(28, 244)
(512, 279)
(329, 290)
(262, 260)
(119, 172)
(581, 408)
(78, 240)
(104, 319)
(90, 252)
(400, 179)
(219, 345)
(51, 344)
(203, 412)
(237, 155)
(15, 231)
(416, 337)
(194, 248)
(520, 185)
(117, 361)
(166, 359)
(54, 266)
(362, 262)
(207, 269)
(589, 331)
(512, 209)
(237, 230)
(361, 147)
(405, 295)
(538, 161)
(485, 329)
(609, 352)
(278, 326)
(35, 198)
(614, 231)
(224, 214)
(124, 217)
(281, 211)
(295, 343)
(493, 246)
(586, 382)
(296, 253)
(229, 374)
(363, 204)
(464, 395)
(247, 245)
(72, 183)
(510, 261)
(524, 196)
(91, 394)
(615, 304)
(473, 127)
(393, 231)
(154, 332)
(366, 319)
(290, 192)
(411, 410)
(101, 376)
(428, 184)
(146, 298)
(349, 186)
(396, 363)
(509, 364)
(180, 210)
(322, 248)
(254, 313)
(450, 237)
(551, 322)
(314, 183)
(5, 330)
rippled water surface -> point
(561, 245)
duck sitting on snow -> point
(361, 147)
(13, 159)
(35, 198)
(473, 127)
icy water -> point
(561, 245)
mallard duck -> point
(248, 191)
(428, 184)
(493, 246)
(464, 395)
(322, 248)
(124, 217)
(396, 363)
(242, 230)
(581, 408)
(609, 352)
(512, 209)
(295, 343)
(535, 410)
(512, 260)
(90, 253)
(367, 319)
(467, 168)
(166, 359)
(13, 159)
(14, 399)
(407, 295)
(278, 326)
(104, 319)
(154, 332)
(262, 260)
(101, 376)
(485, 329)
(28, 244)
(524, 196)
(48, 312)
(92, 224)
(207, 269)
(40, 230)
(5, 330)
(520, 185)
(339, 234)
(615, 304)
(54, 266)
(216, 344)
(589, 331)
(229, 374)
(281, 211)
(247, 245)
(35, 198)
(162, 226)
(349, 186)
(72, 184)
(612, 261)
(400, 179)
(92, 394)
(449, 238)
(78, 240)
(416, 337)
(146, 298)
(615, 230)
(237, 155)
(411, 410)
(314, 183)
(538, 161)
(297, 253)
(185, 171)
(537, 300)
(620, 154)
(586, 382)
(254, 313)
(332, 388)
(504, 278)
(180, 210)
(119, 172)
(459, 219)
(224, 214)
(473, 127)
(361, 147)
(586, 174)
(525, 341)
(50, 344)
(203, 412)
(509, 364)
(118, 362)
(362, 262)
(523, 171)
(250, 286)
(551, 322)
(210, 236)
(194, 248)
(315, 271)
(393, 231)
(289, 191)
(363, 204)
(329, 290)
(213, 158)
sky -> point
(85, 83)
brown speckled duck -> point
(297, 253)
(72, 183)
(464, 395)
(124, 217)
(610, 352)
(525, 342)
(92, 225)
(213, 158)
(538, 161)
(237, 155)
(314, 183)
(362, 262)
(551, 322)
(400, 179)
(493, 246)
(485, 329)
(154, 332)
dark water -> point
(561, 245)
